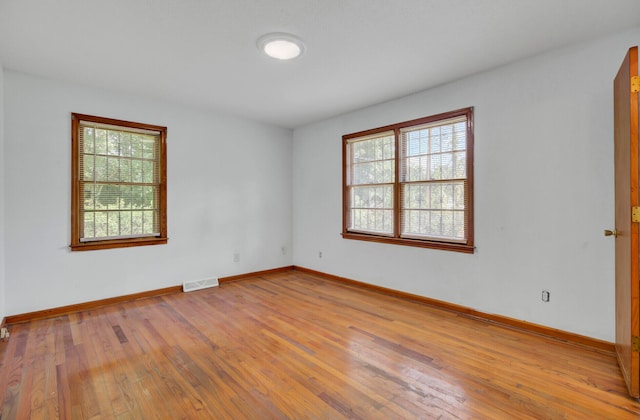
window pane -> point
(372, 197)
(137, 197)
(458, 225)
(136, 223)
(125, 223)
(100, 168)
(434, 142)
(446, 166)
(114, 223)
(89, 163)
(89, 146)
(147, 171)
(149, 197)
(374, 172)
(446, 138)
(433, 209)
(136, 171)
(389, 170)
(110, 196)
(412, 169)
(136, 146)
(460, 136)
(125, 196)
(447, 196)
(147, 222)
(125, 170)
(388, 149)
(113, 143)
(415, 196)
(435, 196)
(458, 196)
(125, 144)
(447, 223)
(100, 224)
(432, 163)
(372, 208)
(148, 149)
(460, 164)
(372, 161)
(101, 141)
(89, 196)
(89, 230)
(113, 169)
(435, 220)
(376, 221)
(428, 152)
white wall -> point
(2, 247)
(543, 193)
(229, 191)
(543, 184)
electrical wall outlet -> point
(236, 257)
(546, 296)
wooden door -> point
(626, 232)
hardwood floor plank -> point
(39, 372)
(289, 344)
(339, 406)
(63, 393)
(101, 347)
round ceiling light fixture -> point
(281, 46)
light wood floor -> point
(292, 345)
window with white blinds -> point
(371, 177)
(119, 183)
(411, 183)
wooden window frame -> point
(76, 228)
(466, 246)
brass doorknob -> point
(613, 233)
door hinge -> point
(635, 84)
(635, 214)
(635, 343)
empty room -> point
(217, 209)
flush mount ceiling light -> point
(281, 46)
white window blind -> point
(119, 182)
(371, 174)
(433, 180)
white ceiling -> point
(359, 52)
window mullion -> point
(397, 219)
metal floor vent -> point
(190, 286)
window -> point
(411, 183)
(119, 185)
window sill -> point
(117, 243)
(446, 246)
